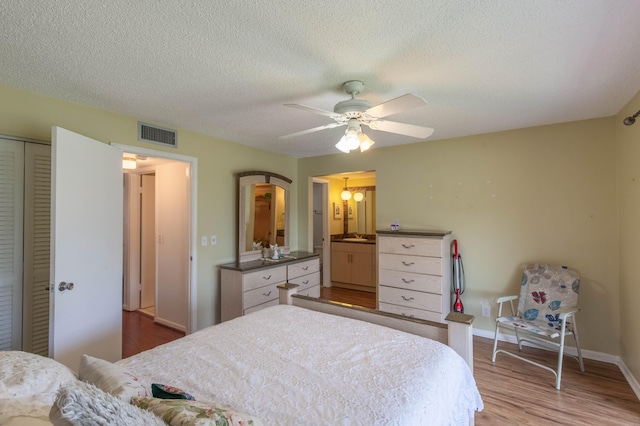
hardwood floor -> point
(514, 392)
(140, 333)
(517, 393)
(354, 297)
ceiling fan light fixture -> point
(342, 145)
(365, 142)
(352, 140)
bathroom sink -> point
(355, 240)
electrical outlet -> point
(486, 310)
(214, 240)
(204, 240)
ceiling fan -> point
(354, 113)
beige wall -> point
(31, 116)
(628, 154)
(545, 194)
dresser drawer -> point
(415, 264)
(411, 246)
(411, 281)
(306, 281)
(260, 295)
(264, 277)
(262, 306)
(410, 312)
(302, 268)
(410, 298)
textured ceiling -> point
(224, 68)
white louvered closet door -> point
(37, 233)
(11, 194)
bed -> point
(292, 365)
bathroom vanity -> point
(353, 263)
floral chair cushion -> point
(546, 291)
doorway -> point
(163, 189)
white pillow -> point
(112, 378)
(83, 404)
(30, 382)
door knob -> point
(65, 286)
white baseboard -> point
(171, 324)
(596, 356)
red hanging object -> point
(458, 282)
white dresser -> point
(250, 286)
(414, 273)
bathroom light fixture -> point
(129, 163)
(345, 195)
(354, 138)
(358, 196)
(630, 120)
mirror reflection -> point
(263, 206)
(361, 212)
(265, 216)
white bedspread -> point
(289, 366)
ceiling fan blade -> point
(311, 109)
(402, 128)
(315, 129)
(394, 106)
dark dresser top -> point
(414, 233)
(254, 265)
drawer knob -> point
(305, 267)
(267, 294)
(407, 263)
(408, 246)
(305, 282)
(266, 278)
(407, 299)
(406, 281)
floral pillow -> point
(180, 412)
(111, 378)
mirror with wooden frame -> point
(263, 213)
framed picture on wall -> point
(337, 211)
(350, 211)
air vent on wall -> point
(155, 134)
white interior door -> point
(173, 245)
(148, 242)
(86, 249)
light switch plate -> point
(204, 240)
(214, 240)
